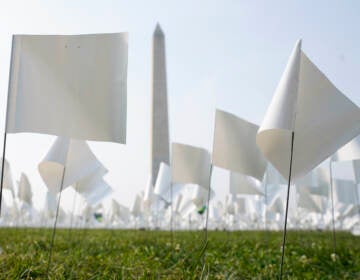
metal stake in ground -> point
(3, 169)
(205, 241)
(265, 201)
(208, 206)
(171, 216)
(72, 212)
(6, 121)
(287, 206)
(332, 212)
(55, 223)
(356, 187)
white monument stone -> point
(159, 105)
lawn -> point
(130, 254)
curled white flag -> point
(25, 193)
(73, 157)
(307, 104)
(93, 188)
(8, 180)
(163, 182)
(242, 184)
(309, 201)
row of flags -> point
(250, 204)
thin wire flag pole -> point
(356, 186)
(2, 170)
(332, 210)
(55, 223)
(208, 206)
(6, 122)
(266, 202)
(171, 215)
(72, 211)
(357, 198)
(287, 206)
(205, 240)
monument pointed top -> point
(158, 31)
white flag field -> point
(192, 140)
(75, 87)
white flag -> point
(190, 164)
(235, 146)
(345, 191)
(308, 201)
(178, 201)
(118, 211)
(8, 181)
(163, 182)
(69, 85)
(25, 193)
(73, 157)
(276, 205)
(98, 193)
(93, 188)
(350, 152)
(200, 196)
(241, 205)
(316, 182)
(242, 184)
(149, 197)
(308, 104)
(136, 208)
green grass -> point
(117, 254)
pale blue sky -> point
(226, 54)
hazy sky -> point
(225, 54)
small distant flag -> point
(201, 210)
(98, 217)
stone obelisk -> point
(159, 127)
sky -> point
(220, 54)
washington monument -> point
(159, 128)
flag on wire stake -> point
(349, 152)
(72, 86)
(235, 149)
(83, 170)
(74, 155)
(82, 75)
(190, 164)
(306, 105)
